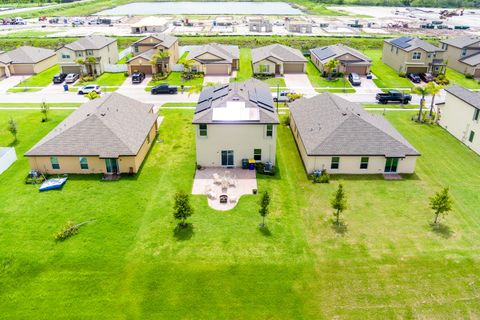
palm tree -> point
(90, 62)
(330, 66)
(423, 91)
(434, 89)
(158, 59)
(81, 62)
(187, 65)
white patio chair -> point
(232, 182)
(212, 195)
(217, 179)
(225, 184)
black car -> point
(427, 77)
(354, 79)
(137, 77)
(164, 89)
(393, 96)
(414, 78)
(59, 78)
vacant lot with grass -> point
(386, 77)
(130, 263)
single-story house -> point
(26, 60)
(145, 48)
(108, 135)
(214, 58)
(150, 25)
(463, 54)
(341, 137)
(233, 122)
(460, 115)
(278, 59)
(349, 59)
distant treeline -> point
(406, 3)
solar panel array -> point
(323, 53)
(402, 42)
(210, 94)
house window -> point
(54, 162)
(464, 52)
(397, 51)
(444, 46)
(364, 163)
(65, 56)
(417, 55)
(476, 114)
(472, 135)
(391, 48)
(257, 154)
(89, 52)
(202, 130)
(148, 138)
(78, 54)
(264, 68)
(429, 55)
(335, 163)
(135, 49)
(83, 163)
(269, 132)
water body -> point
(207, 8)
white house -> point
(460, 115)
(233, 122)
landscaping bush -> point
(260, 168)
(286, 120)
(160, 76)
(442, 80)
(263, 76)
(68, 230)
(469, 76)
(321, 177)
(87, 78)
(402, 75)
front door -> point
(112, 165)
(227, 158)
(391, 165)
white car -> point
(71, 77)
(90, 88)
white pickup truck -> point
(283, 96)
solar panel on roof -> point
(202, 106)
(323, 53)
(402, 42)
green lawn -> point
(125, 59)
(178, 104)
(274, 82)
(456, 77)
(37, 105)
(107, 79)
(183, 57)
(317, 81)
(175, 79)
(41, 79)
(390, 106)
(130, 263)
(30, 33)
(24, 89)
(245, 71)
(386, 76)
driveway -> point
(216, 79)
(11, 82)
(368, 86)
(299, 82)
(128, 88)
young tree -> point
(330, 66)
(339, 202)
(441, 203)
(92, 95)
(264, 210)
(13, 129)
(423, 91)
(182, 208)
(434, 89)
(187, 66)
(44, 108)
(158, 60)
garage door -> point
(23, 68)
(477, 73)
(416, 69)
(360, 70)
(293, 68)
(217, 69)
(71, 69)
(143, 68)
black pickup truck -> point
(164, 89)
(393, 96)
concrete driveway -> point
(216, 79)
(128, 88)
(299, 83)
(11, 82)
(367, 86)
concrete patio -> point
(217, 182)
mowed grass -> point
(130, 263)
(41, 79)
(106, 79)
(175, 79)
(456, 77)
(317, 81)
(386, 77)
(245, 71)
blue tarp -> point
(52, 184)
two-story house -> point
(460, 115)
(103, 49)
(412, 55)
(233, 122)
(463, 54)
(147, 47)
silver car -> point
(90, 88)
(71, 77)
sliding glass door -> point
(227, 158)
(112, 165)
(391, 165)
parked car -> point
(393, 96)
(72, 77)
(90, 88)
(164, 89)
(137, 77)
(427, 77)
(414, 78)
(59, 78)
(354, 79)
(283, 96)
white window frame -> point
(80, 162)
(267, 130)
(200, 130)
(417, 55)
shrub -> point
(87, 78)
(321, 177)
(402, 75)
(159, 76)
(286, 120)
(68, 230)
(469, 76)
(442, 80)
(295, 96)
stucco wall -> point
(272, 65)
(45, 64)
(241, 138)
(401, 60)
(108, 54)
(453, 55)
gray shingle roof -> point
(107, 127)
(164, 40)
(146, 55)
(461, 42)
(410, 43)
(334, 51)
(254, 93)
(472, 60)
(90, 43)
(470, 97)
(26, 54)
(225, 53)
(329, 125)
(278, 51)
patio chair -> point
(225, 184)
(217, 179)
(212, 195)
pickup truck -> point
(283, 96)
(164, 88)
(393, 96)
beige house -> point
(214, 59)
(103, 49)
(278, 59)
(349, 59)
(341, 137)
(298, 26)
(463, 54)
(412, 55)
(460, 115)
(26, 60)
(150, 25)
(109, 135)
(233, 122)
(259, 25)
(145, 48)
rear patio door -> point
(391, 165)
(112, 165)
(227, 158)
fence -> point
(116, 68)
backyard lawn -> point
(386, 77)
(245, 71)
(130, 263)
(41, 79)
(456, 77)
(109, 81)
(125, 58)
(317, 81)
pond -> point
(200, 8)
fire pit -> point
(223, 198)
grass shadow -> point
(183, 233)
(265, 231)
(441, 229)
(340, 228)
